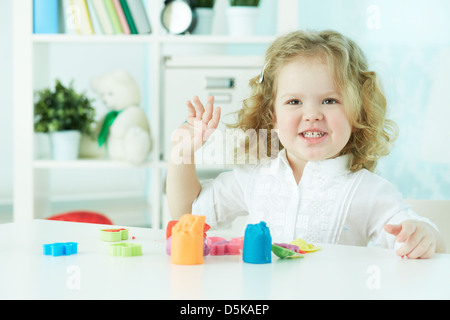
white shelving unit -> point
(31, 201)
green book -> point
(113, 17)
(140, 18)
(128, 16)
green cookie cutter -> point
(125, 249)
(284, 253)
(113, 235)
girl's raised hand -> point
(201, 120)
(200, 124)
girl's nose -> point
(312, 113)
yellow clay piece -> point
(187, 240)
(304, 246)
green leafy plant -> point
(248, 3)
(63, 109)
(205, 3)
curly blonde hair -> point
(364, 100)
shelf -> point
(65, 38)
(108, 164)
(173, 39)
(90, 163)
(216, 39)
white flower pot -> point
(65, 144)
(242, 21)
(204, 21)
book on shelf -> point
(102, 15)
(94, 17)
(82, 19)
(128, 16)
(113, 17)
(121, 16)
(137, 10)
(68, 17)
(45, 16)
(107, 17)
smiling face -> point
(309, 112)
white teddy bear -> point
(124, 129)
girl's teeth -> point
(314, 134)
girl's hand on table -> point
(418, 239)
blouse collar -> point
(330, 167)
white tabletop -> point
(334, 272)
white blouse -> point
(331, 204)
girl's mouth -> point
(313, 134)
(313, 137)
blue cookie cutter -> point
(60, 249)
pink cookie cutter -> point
(220, 246)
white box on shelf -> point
(224, 77)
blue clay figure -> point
(257, 244)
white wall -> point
(6, 147)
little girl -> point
(318, 98)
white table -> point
(335, 272)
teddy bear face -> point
(117, 89)
(116, 99)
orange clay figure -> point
(187, 240)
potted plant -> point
(205, 15)
(64, 114)
(242, 17)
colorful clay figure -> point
(187, 240)
(206, 248)
(257, 244)
(171, 224)
(169, 227)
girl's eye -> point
(330, 101)
(294, 102)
